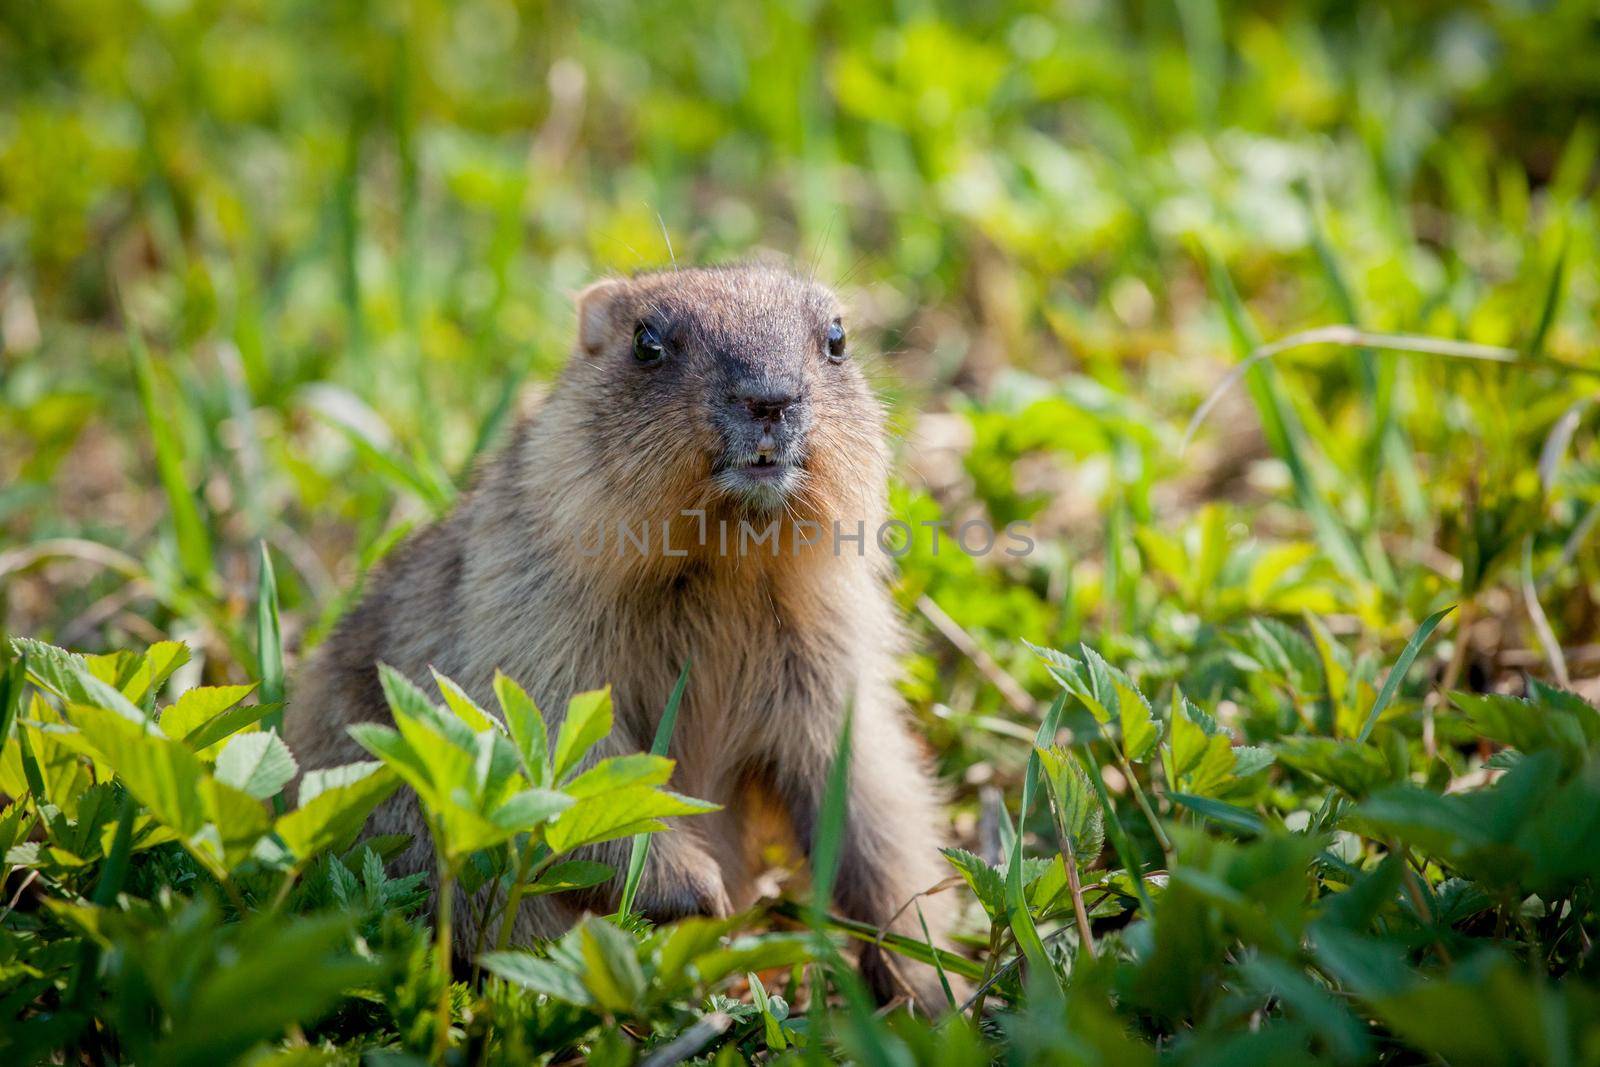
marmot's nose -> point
(765, 403)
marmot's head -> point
(728, 385)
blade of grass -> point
(1349, 335)
(909, 947)
(347, 211)
(828, 844)
(1331, 807)
(641, 842)
(826, 851)
(1021, 920)
(1552, 301)
(1283, 431)
(1408, 655)
(269, 653)
(189, 527)
(938, 964)
(269, 636)
(1387, 444)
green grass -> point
(271, 277)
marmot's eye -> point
(647, 346)
(836, 341)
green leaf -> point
(411, 705)
(1062, 667)
(163, 774)
(539, 976)
(1569, 728)
(67, 675)
(588, 719)
(1077, 809)
(530, 809)
(573, 874)
(620, 813)
(198, 706)
(334, 805)
(269, 636)
(527, 727)
(256, 763)
(465, 708)
(827, 846)
(987, 884)
(1202, 758)
(1356, 769)
(157, 665)
(620, 772)
(771, 1017)
(612, 975)
(387, 744)
(1021, 920)
(1240, 820)
(1140, 732)
(205, 738)
(752, 954)
(1252, 759)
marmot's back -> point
(406, 617)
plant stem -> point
(1167, 849)
(289, 878)
(441, 958)
(995, 932)
(1079, 912)
(514, 895)
(483, 928)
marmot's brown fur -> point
(726, 391)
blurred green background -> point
(278, 270)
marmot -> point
(727, 393)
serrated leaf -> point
(67, 675)
(1354, 768)
(573, 874)
(986, 883)
(410, 704)
(588, 719)
(1202, 758)
(530, 809)
(634, 809)
(1251, 759)
(612, 973)
(539, 976)
(527, 727)
(619, 772)
(258, 764)
(198, 706)
(334, 805)
(465, 708)
(1062, 667)
(206, 739)
(1077, 808)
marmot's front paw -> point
(681, 893)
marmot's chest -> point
(759, 666)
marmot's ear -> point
(594, 312)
